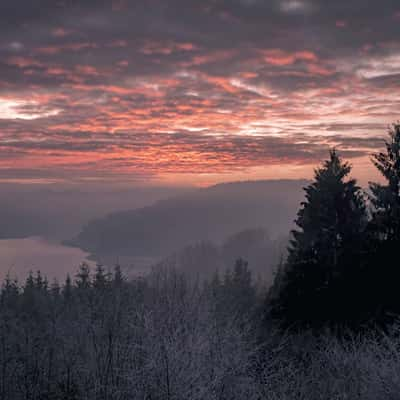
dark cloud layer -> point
(108, 88)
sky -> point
(190, 92)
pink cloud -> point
(24, 62)
(87, 70)
(341, 24)
(123, 63)
(282, 58)
(316, 69)
(56, 71)
(61, 32)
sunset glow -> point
(246, 89)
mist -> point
(58, 211)
(144, 227)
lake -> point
(19, 256)
(54, 260)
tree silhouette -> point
(315, 285)
(385, 229)
(386, 198)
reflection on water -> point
(19, 256)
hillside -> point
(59, 211)
(210, 214)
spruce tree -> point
(118, 278)
(101, 278)
(316, 284)
(385, 229)
(386, 197)
(67, 289)
(83, 280)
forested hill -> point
(206, 214)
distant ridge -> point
(211, 213)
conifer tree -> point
(83, 277)
(67, 289)
(324, 252)
(118, 278)
(385, 229)
(101, 278)
(9, 291)
(386, 197)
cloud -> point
(24, 109)
(377, 67)
(16, 46)
(201, 86)
(282, 58)
(296, 6)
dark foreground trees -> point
(325, 252)
(384, 230)
(386, 197)
(342, 269)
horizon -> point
(200, 181)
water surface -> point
(19, 256)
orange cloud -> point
(282, 58)
(316, 69)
